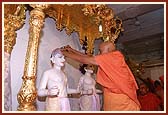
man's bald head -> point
(106, 47)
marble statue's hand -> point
(53, 91)
(87, 92)
(90, 91)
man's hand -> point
(66, 48)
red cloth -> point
(149, 102)
(115, 75)
(160, 92)
(161, 78)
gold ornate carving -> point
(40, 6)
(85, 19)
(96, 11)
(27, 93)
(136, 68)
(13, 22)
(113, 27)
(101, 13)
(71, 18)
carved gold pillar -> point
(12, 22)
(27, 94)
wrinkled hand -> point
(53, 91)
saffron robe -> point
(116, 77)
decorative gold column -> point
(12, 22)
(27, 94)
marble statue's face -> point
(58, 60)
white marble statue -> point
(54, 85)
(89, 100)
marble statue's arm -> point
(71, 91)
(42, 91)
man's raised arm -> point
(78, 56)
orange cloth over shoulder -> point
(115, 75)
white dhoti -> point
(57, 104)
(90, 102)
